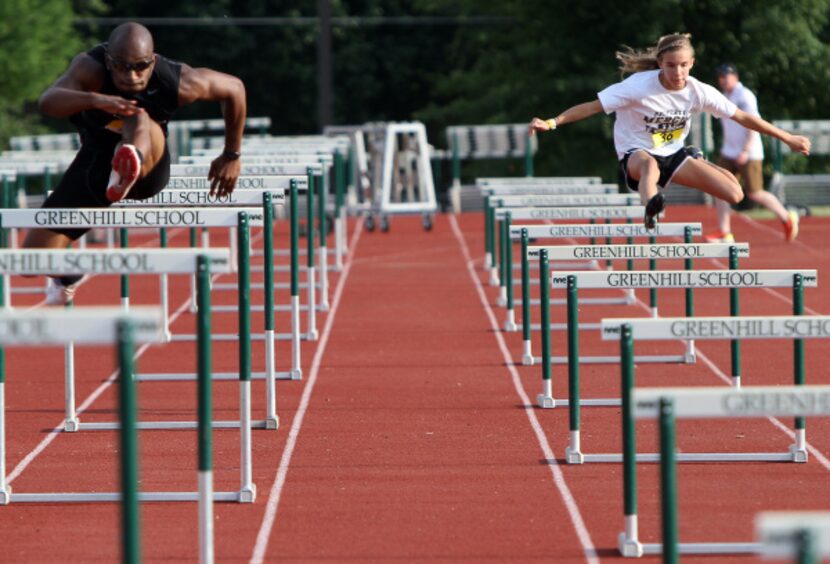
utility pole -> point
(325, 92)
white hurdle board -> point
(562, 200)
(602, 212)
(781, 533)
(88, 326)
(126, 217)
(744, 278)
(264, 169)
(568, 231)
(548, 189)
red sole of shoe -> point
(126, 160)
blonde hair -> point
(638, 60)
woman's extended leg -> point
(707, 177)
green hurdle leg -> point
(271, 419)
(799, 449)
(205, 409)
(691, 356)
(527, 357)
(130, 522)
(668, 482)
(310, 264)
(510, 321)
(294, 230)
(806, 548)
(734, 310)
(164, 289)
(629, 541)
(488, 234)
(339, 209)
(573, 453)
(193, 244)
(504, 268)
(652, 292)
(545, 399)
(494, 275)
(456, 170)
(322, 196)
(247, 490)
(125, 279)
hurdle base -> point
(510, 323)
(545, 402)
(168, 425)
(592, 402)
(272, 422)
(68, 497)
(653, 359)
(494, 277)
(528, 360)
(323, 307)
(312, 335)
(697, 457)
(296, 375)
(247, 494)
(629, 548)
(501, 301)
(71, 425)
(6, 496)
(706, 548)
(799, 454)
(216, 376)
(574, 456)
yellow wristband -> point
(551, 123)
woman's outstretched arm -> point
(575, 113)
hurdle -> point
(798, 401)
(733, 280)
(491, 193)
(334, 161)
(652, 252)
(572, 231)
(504, 274)
(41, 261)
(128, 217)
(669, 404)
(488, 186)
(317, 169)
(803, 536)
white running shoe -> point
(57, 294)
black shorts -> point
(668, 165)
(84, 184)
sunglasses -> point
(124, 66)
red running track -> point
(410, 437)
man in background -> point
(742, 154)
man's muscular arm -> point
(78, 89)
(213, 86)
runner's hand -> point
(223, 175)
(115, 105)
(539, 125)
(799, 144)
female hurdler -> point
(654, 107)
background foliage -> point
(537, 58)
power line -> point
(304, 21)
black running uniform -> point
(84, 184)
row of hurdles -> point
(282, 169)
(526, 213)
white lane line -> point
(272, 505)
(558, 478)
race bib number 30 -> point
(666, 137)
